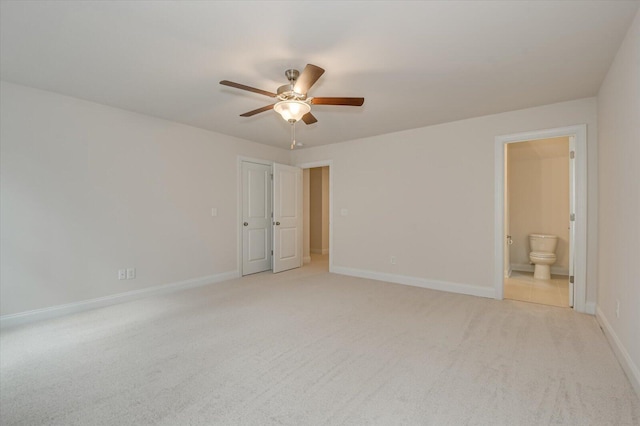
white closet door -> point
(287, 217)
(256, 218)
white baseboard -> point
(417, 282)
(319, 251)
(306, 259)
(555, 270)
(85, 305)
(629, 367)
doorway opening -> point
(538, 197)
(318, 197)
(316, 245)
(576, 221)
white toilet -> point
(543, 248)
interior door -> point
(572, 209)
(256, 217)
(287, 217)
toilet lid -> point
(542, 255)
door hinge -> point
(570, 278)
(572, 155)
(272, 174)
(572, 217)
(271, 252)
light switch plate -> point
(214, 211)
(131, 273)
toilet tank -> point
(543, 243)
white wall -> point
(538, 185)
(619, 202)
(426, 196)
(88, 189)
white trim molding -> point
(114, 299)
(450, 287)
(580, 255)
(630, 368)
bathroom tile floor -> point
(522, 286)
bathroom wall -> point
(538, 197)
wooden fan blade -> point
(338, 101)
(309, 76)
(249, 88)
(308, 118)
(257, 111)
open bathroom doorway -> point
(317, 215)
(537, 221)
(540, 228)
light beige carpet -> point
(310, 348)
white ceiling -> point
(416, 63)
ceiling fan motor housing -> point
(286, 92)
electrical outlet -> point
(131, 273)
(122, 274)
(214, 211)
(393, 260)
(617, 309)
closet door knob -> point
(246, 224)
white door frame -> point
(580, 191)
(239, 226)
(324, 163)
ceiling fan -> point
(293, 103)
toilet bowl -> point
(542, 254)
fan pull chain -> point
(293, 134)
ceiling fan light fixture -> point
(292, 109)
